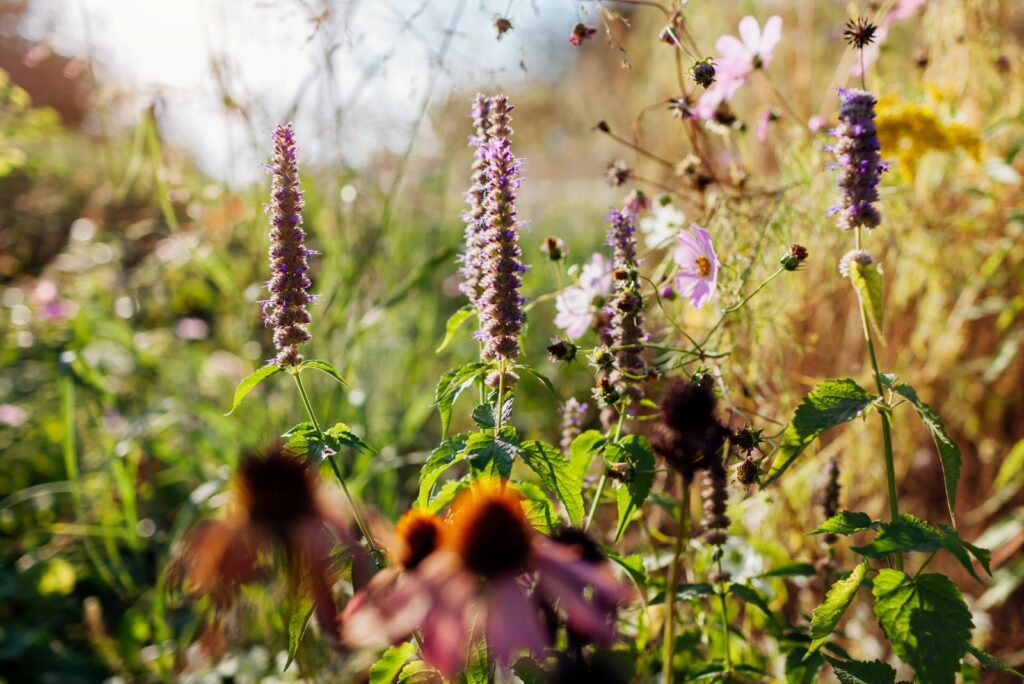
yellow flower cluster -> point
(908, 131)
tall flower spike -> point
(716, 497)
(285, 311)
(830, 497)
(573, 415)
(857, 157)
(500, 304)
(472, 258)
(625, 313)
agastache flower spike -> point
(471, 285)
(285, 311)
(573, 415)
(857, 158)
(625, 311)
(500, 304)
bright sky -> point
(273, 56)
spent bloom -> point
(687, 434)
(857, 158)
(576, 306)
(500, 304)
(697, 277)
(285, 310)
(473, 217)
(475, 584)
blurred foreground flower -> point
(277, 500)
(475, 584)
(698, 264)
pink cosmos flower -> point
(475, 584)
(737, 58)
(698, 265)
(577, 305)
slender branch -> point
(671, 589)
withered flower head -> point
(562, 350)
(794, 258)
(502, 25)
(859, 33)
(555, 248)
(617, 173)
(688, 435)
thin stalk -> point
(725, 621)
(604, 478)
(501, 391)
(337, 471)
(668, 644)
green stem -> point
(604, 478)
(501, 391)
(725, 620)
(671, 589)
(337, 471)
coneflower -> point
(285, 311)
(501, 305)
(573, 414)
(625, 313)
(857, 158)
(473, 217)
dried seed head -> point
(617, 173)
(860, 33)
(561, 350)
(794, 258)
(703, 72)
(747, 472)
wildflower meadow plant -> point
(613, 552)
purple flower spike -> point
(500, 304)
(285, 310)
(857, 158)
(472, 258)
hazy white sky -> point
(273, 55)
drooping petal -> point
(513, 622)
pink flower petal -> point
(513, 622)
(750, 32)
(770, 37)
(731, 49)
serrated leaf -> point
(387, 669)
(540, 511)
(305, 440)
(327, 368)
(555, 471)
(249, 382)
(840, 595)
(867, 281)
(583, 449)
(483, 414)
(635, 452)
(926, 620)
(991, 662)
(790, 570)
(455, 322)
(298, 619)
(831, 403)
(633, 564)
(419, 672)
(344, 436)
(749, 594)
(451, 385)
(909, 533)
(447, 454)
(949, 452)
(862, 672)
(496, 453)
(846, 523)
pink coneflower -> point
(277, 500)
(698, 264)
(476, 583)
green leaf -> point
(343, 435)
(949, 452)
(635, 452)
(447, 494)
(867, 281)
(862, 672)
(555, 471)
(455, 322)
(633, 564)
(418, 672)
(541, 377)
(540, 511)
(840, 595)
(790, 570)
(304, 440)
(750, 595)
(587, 445)
(298, 621)
(801, 668)
(846, 523)
(325, 367)
(451, 385)
(391, 662)
(926, 620)
(447, 454)
(483, 414)
(478, 669)
(494, 452)
(831, 403)
(249, 383)
(991, 662)
(689, 592)
(909, 533)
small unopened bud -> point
(617, 173)
(561, 350)
(703, 72)
(603, 126)
(502, 25)
(747, 439)
(668, 293)
(796, 256)
(555, 248)
(494, 380)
